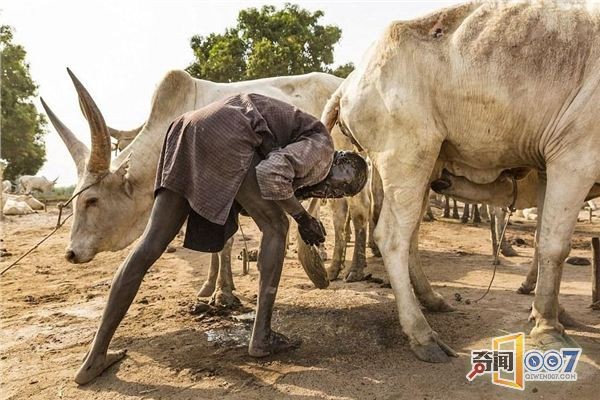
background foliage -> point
(22, 127)
(268, 42)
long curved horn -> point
(78, 150)
(99, 160)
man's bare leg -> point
(168, 214)
(273, 223)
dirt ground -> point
(353, 347)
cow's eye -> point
(92, 201)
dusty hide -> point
(31, 201)
(15, 207)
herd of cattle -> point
(19, 200)
(490, 103)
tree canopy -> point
(21, 126)
(268, 42)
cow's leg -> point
(339, 209)
(376, 197)
(446, 207)
(359, 212)
(483, 210)
(168, 214)
(528, 284)
(348, 228)
(223, 295)
(273, 223)
(370, 239)
(476, 216)
(428, 297)
(405, 186)
(208, 287)
(566, 189)
(429, 217)
(530, 280)
(315, 209)
(455, 214)
(466, 215)
(505, 248)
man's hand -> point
(311, 229)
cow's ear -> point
(123, 168)
(123, 173)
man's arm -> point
(311, 229)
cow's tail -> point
(331, 112)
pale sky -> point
(120, 49)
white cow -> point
(110, 215)
(28, 183)
(12, 206)
(6, 186)
(477, 89)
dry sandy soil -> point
(353, 347)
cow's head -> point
(105, 213)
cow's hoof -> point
(224, 299)
(355, 276)
(435, 351)
(333, 272)
(94, 366)
(276, 343)
(508, 251)
(375, 251)
(525, 288)
(206, 290)
(552, 339)
(437, 303)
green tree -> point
(343, 70)
(21, 126)
(268, 42)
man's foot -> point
(95, 365)
(276, 343)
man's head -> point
(347, 177)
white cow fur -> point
(6, 186)
(27, 184)
(13, 206)
(478, 89)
